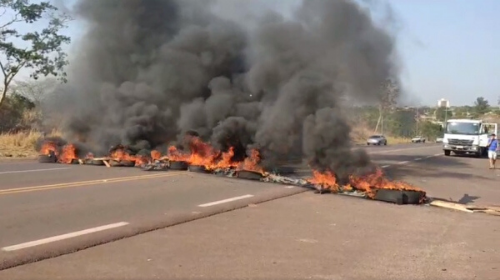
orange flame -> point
(68, 154)
(204, 154)
(121, 155)
(252, 162)
(369, 183)
(155, 155)
(47, 147)
(326, 180)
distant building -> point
(443, 103)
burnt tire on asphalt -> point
(399, 197)
(282, 170)
(413, 197)
(197, 168)
(127, 163)
(96, 162)
(249, 175)
(179, 165)
(47, 159)
(114, 163)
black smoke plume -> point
(147, 72)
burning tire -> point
(47, 159)
(157, 166)
(114, 163)
(399, 197)
(249, 175)
(179, 165)
(127, 163)
(96, 162)
(197, 168)
(147, 167)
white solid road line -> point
(63, 236)
(225, 200)
(33, 170)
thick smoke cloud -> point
(150, 71)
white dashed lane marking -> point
(63, 237)
(415, 159)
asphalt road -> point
(64, 208)
(302, 236)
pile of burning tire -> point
(396, 196)
(203, 158)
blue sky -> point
(448, 47)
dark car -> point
(376, 140)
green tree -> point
(481, 106)
(389, 93)
(462, 112)
(401, 123)
(36, 91)
(430, 130)
(13, 111)
(38, 50)
(443, 113)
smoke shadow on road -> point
(466, 199)
(436, 167)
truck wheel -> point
(447, 152)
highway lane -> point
(41, 201)
(299, 230)
(41, 213)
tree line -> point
(407, 122)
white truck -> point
(464, 136)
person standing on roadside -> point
(493, 150)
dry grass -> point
(21, 144)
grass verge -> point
(21, 144)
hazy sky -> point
(448, 47)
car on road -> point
(376, 140)
(418, 139)
(439, 140)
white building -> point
(443, 103)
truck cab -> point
(464, 136)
